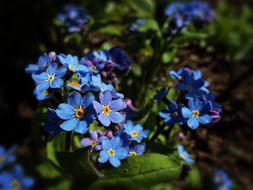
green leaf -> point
(139, 172)
(78, 165)
(47, 170)
(163, 186)
(194, 179)
(145, 8)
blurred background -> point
(28, 28)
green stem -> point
(94, 169)
(68, 141)
(157, 133)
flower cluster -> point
(12, 175)
(73, 17)
(222, 181)
(91, 96)
(183, 14)
(195, 105)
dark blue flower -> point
(121, 59)
(196, 114)
(52, 78)
(135, 132)
(15, 180)
(184, 155)
(108, 110)
(52, 126)
(6, 156)
(222, 181)
(113, 151)
(78, 112)
(73, 17)
(173, 114)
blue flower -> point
(121, 59)
(6, 156)
(113, 151)
(52, 78)
(222, 181)
(173, 114)
(184, 155)
(43, 62)
(73, 17)
(71, 62)
(195, 114)
(136, 132)
(52, 126)
(92, 66)
(78, 112)
(108, 109)
(137, 150)
(15, 180)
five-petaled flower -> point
(137, 150)
(184, 155)
(52, 78)
(135, 132)
(15, 179)
(108, 109)
(78, 112)
(113, 151)
(196, 114)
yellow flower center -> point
(106, 110)
(79, 112)
(2, 159)
(195, 113)
(133, 153)
(111, 152)
(93, 143)
(135, 134)
(50, 78)
(74, 83)
(15, 184)
(93, 67)
(72, 67)
(45, 93)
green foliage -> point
(194, 179)
(139, 172)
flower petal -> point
(121, 153)
(39, 77)
(205, 119)
(65, 111)
(69, 125)
(106, 97)
(88, 99)
(114, 161)
(97, 106)
(116, 117)
(42, 86)
(85, 142)
(193, 123)
(186, 112)
(60, 72)
(52, 68)
(57, 83)
(75, 99)
(82, 127)
(104, 119)
(103, 157)
(117, 105)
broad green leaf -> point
(163, 186)
(78, 165)
(145, 8)
(194, 179)
(139, 172)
